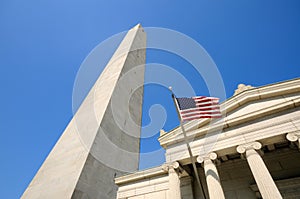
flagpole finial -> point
(170, 89)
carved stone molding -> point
(244, 147)
(241, 88)
(162, 132)
(211, 156)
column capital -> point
(293, 136)
(172, 165)
(252, 145)
(209, 156)
(175, 167)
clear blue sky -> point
(43, 43)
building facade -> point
(253, 152)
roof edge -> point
(232, 103)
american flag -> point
(198, 107)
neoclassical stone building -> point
(252, 153)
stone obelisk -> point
(102, 139)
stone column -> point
(294, 137)
(212, 177)
(174, 180)
(262, 176)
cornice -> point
(231, 104)
(145, 174)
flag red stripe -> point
(206, 100)
(200, 117)
(207, 104)
(197, 113)
(202, 97)
(200, 109)
(206, 107)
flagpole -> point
(188, 144)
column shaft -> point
(262, 176)
(213, 181)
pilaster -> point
(174, 170)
